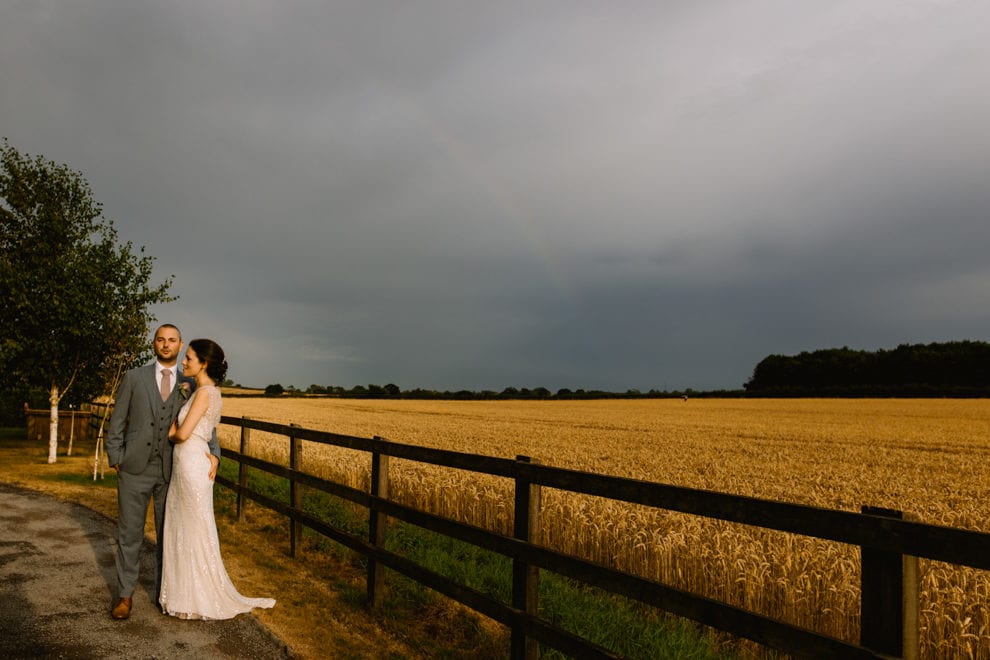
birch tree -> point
(74, 301)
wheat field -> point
(929, 458)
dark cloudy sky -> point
(560, 194)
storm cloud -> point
(559, 194)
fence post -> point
(242, 476)
(525, 577)
(376, 527)
(912, 604)
(889, 609)
(295, 495)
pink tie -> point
(166, 384)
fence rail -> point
(890, 545)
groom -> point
(138, 448)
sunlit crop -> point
(929, 458)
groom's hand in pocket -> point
(214, 462)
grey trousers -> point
(134, 491)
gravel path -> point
(57, 581)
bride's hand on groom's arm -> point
(214, 463)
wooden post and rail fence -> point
(890, 546)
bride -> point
(195, 584)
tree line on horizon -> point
(392, 391)
(949, 369)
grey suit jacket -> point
(141, 420)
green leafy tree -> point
(73, 301)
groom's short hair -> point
(169, 325)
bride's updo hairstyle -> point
(209, 351)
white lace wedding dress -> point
(195, 584)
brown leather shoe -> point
(122, 608)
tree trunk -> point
(53, 425)
(98, 455)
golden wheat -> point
(925, 457)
